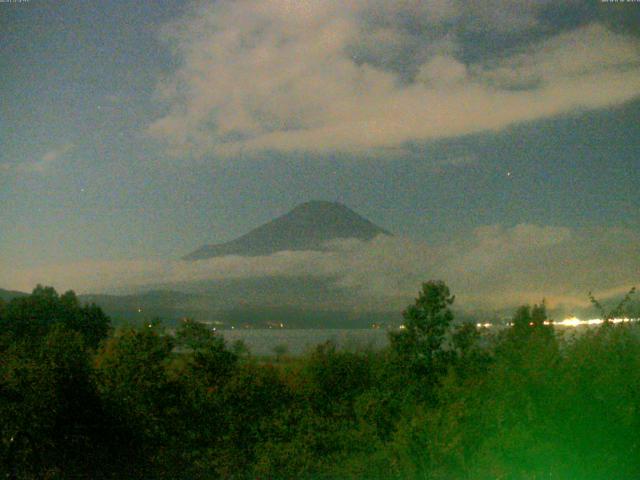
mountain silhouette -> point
(307, 227)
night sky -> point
(498, 140)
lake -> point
(298, 341)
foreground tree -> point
(132, 376)
(530, 322)
(52, 421)
(420, 344)
(208, 360)
(31, 317)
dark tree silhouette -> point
(31, 317)
(420, 344)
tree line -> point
(79, 399)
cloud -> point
(505, 16)
(492, 267)
(358, 76)
(42, 164)
(49, 158)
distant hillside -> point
(166, 305)
(298, 302)
(7, 295)
(306, 227)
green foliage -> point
(52, 419)
(471, 359)
(420, 345)
(132, 376)
(420, 342)
(210, 361)
(528, 320)
(253, 396)
(31, 317)
(335, 378)
(240, 348)
(280, 351)
(522, 404)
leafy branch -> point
(618, 311)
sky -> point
(498, 140)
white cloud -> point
(443, 72)
(493, 267)
(42, 164)
(312, 75)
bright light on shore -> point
(569, 322)
(576, 322)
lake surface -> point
(298, 341)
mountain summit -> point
(307, 227)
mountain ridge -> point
(308, 226)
